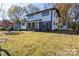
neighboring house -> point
(63, 26)
(74, 13)
(17, 26)
(6, 23)
(45, 20)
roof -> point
(57, 10)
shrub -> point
(74, 26)
(2, 28)
(20, 29)
(9, 28)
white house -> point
(45, 20)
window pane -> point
(23, 24)
(30, 16)
(53, 23)
(45, 13)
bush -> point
(2, 28)
(9, 28)
(20, 30)
(74, 26)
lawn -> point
(41, 44)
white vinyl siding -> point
(54, 20)
(39, 16)
(23, 26)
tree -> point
(74, 14)
(15, 13)
(31, 9)
(2, 12)
(64, 8)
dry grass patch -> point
(41, 43)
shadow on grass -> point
(13, 33)
(69, 32)
(5, 51)
(66, 32)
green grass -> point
(41, 44)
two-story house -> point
(44, 20)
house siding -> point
(39, 16)
(24, 27)
(17, 26)
(55, 19)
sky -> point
(6, 6)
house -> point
(44, 20)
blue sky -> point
(6, 6)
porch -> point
(39, 26)
(33, 25)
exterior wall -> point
(24, 27)
(55, 20)
(17, 26)
(39, 16)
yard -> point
(41, 43)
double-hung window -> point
(45, 13)
(23, 24)
(30, 16)
(55, 15)
(55, 23)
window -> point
(37, 25)
(30, 16)
(23, 24)
(55, 15)
(29, 24)
(55, 23)
(46, 26)
(45, 13)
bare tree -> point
(31, 9)
(74, 14)
(2, 12)
(15, 13)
